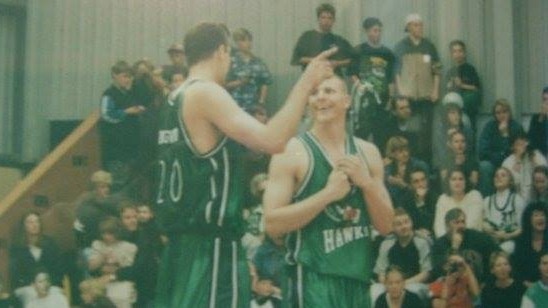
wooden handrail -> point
(52, 187)
(51, 159)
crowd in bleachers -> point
(471, 201)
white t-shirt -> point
(471, 204)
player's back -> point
(197, 193)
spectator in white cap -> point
(418, 77)
(451, 119)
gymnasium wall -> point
(71, 44)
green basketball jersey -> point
(197, 193)
(338, 241)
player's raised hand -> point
(337, 185)
(320, 67)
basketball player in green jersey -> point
(201, 129)
(327, 188)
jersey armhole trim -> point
(184, 129)
(308, 175)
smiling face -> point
(329, 101)
(538, 221)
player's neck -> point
(331, 134)
(205, 71)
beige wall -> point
(72, 43)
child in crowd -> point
(92, 292)
(41, 294)
(521, 163)
(254, 235)
(396, 295)
(110, 254)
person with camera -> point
(458, 287)
(475, 246)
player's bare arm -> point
(211, 108)
(370, 179)
(285, 174)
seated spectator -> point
(463, 79)
(459, 157)
(93, 207)
(397, 170)
(30, 250)
(457, 195)
(538, 132)
(108, 256)
(267, 272)
(93, 295)
(452, 120)
(504, 291)
(531, 244)
(400, 123)
(476, 247)
(144, 270)
(396, 295)
(420, 202)
(248, 77)
(255, 234)
(494, 143)
(502, 211)
(537, 295)
(521, 163)
(458, 288)
(147, 222)
(41, 294)
(539, 189)
(407, 250)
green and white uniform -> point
(199, 206)
(333, 253)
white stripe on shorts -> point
(234, 274)
(215, 273)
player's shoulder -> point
(366, 146)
